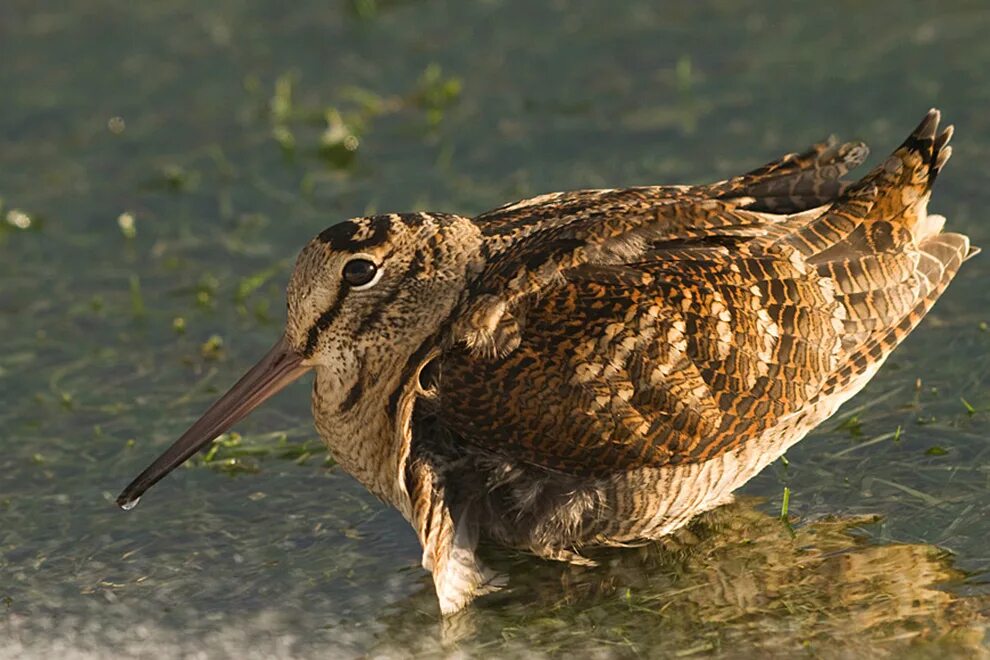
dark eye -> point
(361, 273)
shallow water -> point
(228, 133)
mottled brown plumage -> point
(598, 367)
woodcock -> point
(595, 368)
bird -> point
(598, 367)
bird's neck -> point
(363, 421)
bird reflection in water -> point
(737, 581)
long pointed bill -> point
(280, 366)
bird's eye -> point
(361, 273)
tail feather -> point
(886, 209)
(942, 149)
(887, 257)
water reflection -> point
(738, 582)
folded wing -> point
(651, 326)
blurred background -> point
(162, 162)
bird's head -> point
(364, 297)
